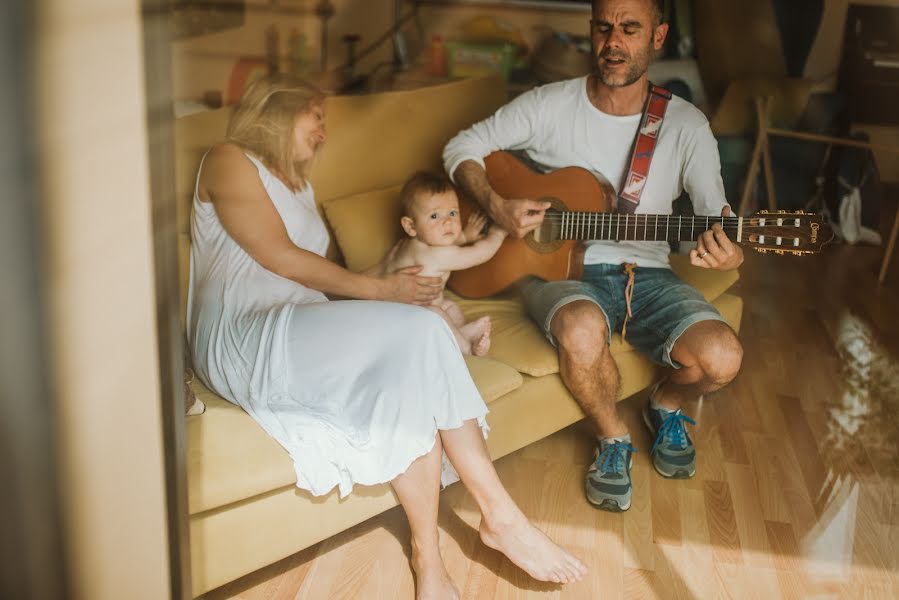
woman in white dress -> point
(357, 391)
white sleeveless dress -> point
(355, 391)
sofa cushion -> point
(230, 458)
(709, 282)
(378, 140)
(183, 275)
(194, 136)
(515, 339)
(365, 225)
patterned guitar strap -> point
(641, 159)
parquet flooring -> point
(796, 493)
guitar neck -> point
(567, 225)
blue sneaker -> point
(673, 453)
(608, 482)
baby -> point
(437, 241)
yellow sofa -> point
(245, 511)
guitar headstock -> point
(786, 232)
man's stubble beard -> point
(638, 65)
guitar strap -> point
(638, 172)
(644, 146)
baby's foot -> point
(533, 551)
(432, 582)
(478, 335)
(481, 346)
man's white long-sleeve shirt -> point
(558, 126)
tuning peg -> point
(779, 252)
(762, 250)
(781, 212)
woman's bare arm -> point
(231, 182)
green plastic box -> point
(470, 59)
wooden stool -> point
(891, 245)
(761, 154)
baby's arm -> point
(456, 258)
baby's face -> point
(436, 219)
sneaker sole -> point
(677, 474)
(609, 505)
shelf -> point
(560, 5)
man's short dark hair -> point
(423, 182)
(658, 9)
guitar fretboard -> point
(617, 226)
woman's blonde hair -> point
(263, 123)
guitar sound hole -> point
(545, 239)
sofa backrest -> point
(374, 142)
(377, 141)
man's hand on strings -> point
(714, 250)
(518, 217)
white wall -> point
(94, 180)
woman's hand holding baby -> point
(405, 285)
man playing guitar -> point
(627, 286)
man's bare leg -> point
(591, 376)
(503, 526)
(586, 364)
(418, 490)
(711, 356)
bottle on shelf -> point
(437, 57)
(296, 52)
(271, 48)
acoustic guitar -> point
(581, 201)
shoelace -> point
(613, 457)
(673, 428)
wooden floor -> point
(796, 493)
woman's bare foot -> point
(432, 582)
(478, 334)
(532, 550)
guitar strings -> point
(731, 223)
(645, 219)
(602, 224)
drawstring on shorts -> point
(630, 269)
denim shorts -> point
(662, 305)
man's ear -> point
(659, 36)
(408, 226)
